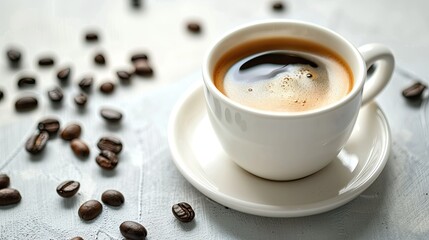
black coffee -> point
(283, 74)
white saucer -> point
(201, 160)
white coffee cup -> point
(283, 145)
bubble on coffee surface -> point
(286, 81)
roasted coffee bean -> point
(71, 132)
(1, 94)
(133, 230)
(26, 104)
(414, 91)
(136, 3)
(56, 94)
(183, 212)
(91, 37)
(90, 210)
(107, 87)
(194, 27)
(110, 143)
(79, 147)
(86, 83)
(26, 82)
(100, 59)
(14, 55)
(49, 125)
(4, 180)
(37, 142)
(142, 68)
(278, 6)
(123, 75)
(64, 74)
(107, 160)
(81, 99)
(139, 56)
(77, 238)
(111, 115)
(68, 189)
(112, 198)
(46, 61)
(9, 196)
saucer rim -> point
(266, 209)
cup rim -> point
(359, 77)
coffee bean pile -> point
(109, 146)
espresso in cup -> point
(283, 75)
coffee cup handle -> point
(383, 57)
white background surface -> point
(396, 206)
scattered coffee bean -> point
(37, 142)
(133, 230)
(414, 91)
(194, 27)
(91, 37)
(81, 99)
(49, 125)
(86, 83)
(56, 94)
(46, 61)
(278, 6)
(142, 68)
(64, 74)
(79, 147)
(107, 87)
(112, 198)
(77, 238)
(183, 212)
(90, 210)
(1, 94)
(110, 143)
(26, 82)
(71, 132)
(123, 75)
(139, 56)
(111, 115)
(68, 189)
(4, 180)
(100, 59)
(26, 104)
(136, 3)
(14, 55)
(9, 196)
(107, 160)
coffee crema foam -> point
(285, 80)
